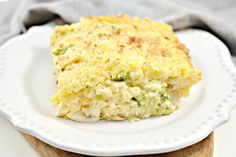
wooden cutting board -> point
(203, 148)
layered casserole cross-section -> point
(119, 67)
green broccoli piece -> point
(121, 76)
(61, 51)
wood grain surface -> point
(203, 148)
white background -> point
(12, 143)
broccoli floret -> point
(61, 51)
(165, 97)
(121, 76)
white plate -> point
(27, 82)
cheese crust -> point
(119, 67)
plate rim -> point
(222, 111)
